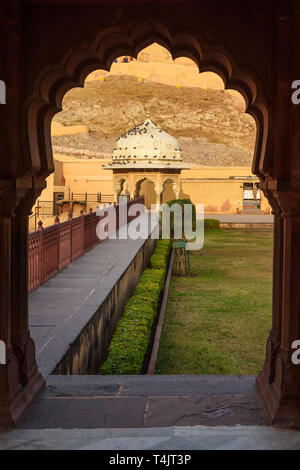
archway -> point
(145, 187)
(53, 70)
(170, 191)
(120, 189)
(51, 85)
(167, 181)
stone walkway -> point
(59, 309)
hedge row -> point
(211, 224)
(160, 256)
(130, 341)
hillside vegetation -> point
(210, 127)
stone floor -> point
(148, 413)
(91, 402)
(166, 438)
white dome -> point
(146, 146)
(146, 141)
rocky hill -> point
(209, 123)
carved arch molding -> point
(128, 33)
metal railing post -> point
(41, 252)
(82, 231)
(70, 220)
(57, 222)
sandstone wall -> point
(212, 186)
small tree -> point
(182, 203)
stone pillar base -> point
(282, 406)
(24, 350)
(281, 412)
(15, 399)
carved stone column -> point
(22, 342)
(116, 196)
(279, 382)
(158, 191)
(274, 339)
(176, 190)
(10, 384)
(19, 380)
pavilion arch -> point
(140, 180)
(120, 186)
(150, 196)
(175, 187)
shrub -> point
(181, 202)
(211, 224)
(160, 257)
(131, 339)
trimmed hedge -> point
(182, 203)
(212, 224)
(131, 339)
(161, 254)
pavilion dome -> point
(146, 145)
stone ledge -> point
(146, 401)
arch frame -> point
(68, 68)
(53, 81)
(139, 180)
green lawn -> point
(218, 319)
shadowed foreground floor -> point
(92, 402)
(175, 438)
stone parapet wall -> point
(89, 350)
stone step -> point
(93, 402)
(250, 210)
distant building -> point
(146, 161)
(146, 153)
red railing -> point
(51, 249)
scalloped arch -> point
(54, 81)
(142, 179)
(120, 180)
(169, 179)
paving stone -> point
(52, 320)
(40, 331)
(93, 390)
(205, 410)
(56, 282)
(138, 443)
(87, 413)
(171, 438)
(166, 385)
(174, 385)
(47, 291)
